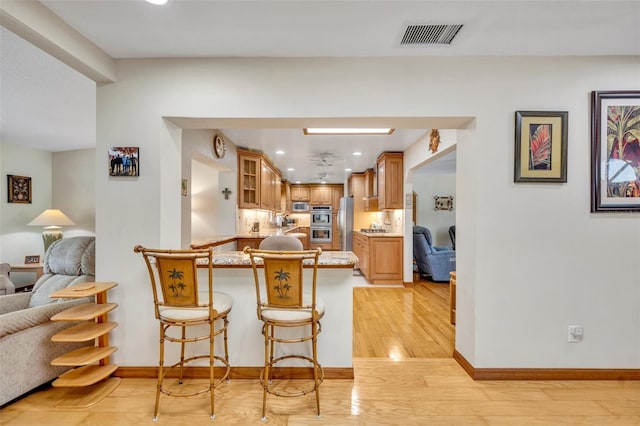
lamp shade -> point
(51, 217)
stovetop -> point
(373, 230)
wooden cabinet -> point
(300, 193)
(269, 187)
(258, 182)
(355, 184)
(92, 362)
(336, 193)
(361, 250)
(379, 258)
(452, 298)
(285, 196)
(370, 196)
(249, 173)
(321, 195)
(254, 243)
(390, 179)
(305, 240)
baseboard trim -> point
(545, 373)
(236, 372)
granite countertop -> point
(328, 259)
(269, 232)
(378, 234)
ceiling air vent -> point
(429, 34)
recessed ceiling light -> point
(280, 152)
(298, 181)
(357, 153)
(347, 170)
(347, 131)
(157, 2)
(323, 182)
(290, 169)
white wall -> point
(533, 258)
(74, 188)
(62, 180)
(205, 212)
(427, 186)
(19, 240)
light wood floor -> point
(399, 379)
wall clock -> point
(219, 146)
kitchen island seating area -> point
(284, 302)
(180, 305)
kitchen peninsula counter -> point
(328, 259)
(219, 240)
(233, 275)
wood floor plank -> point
(398, 380)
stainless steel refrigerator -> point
(345, 224)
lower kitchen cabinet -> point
(379, 258)
(253, 243)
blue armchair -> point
(435, 262)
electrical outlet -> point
(576, 333)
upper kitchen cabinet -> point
(259, 182)
(269, 187)
(321, 195)
(370, 191)
(300, 193)
(337, 191)
(390, 178)
(249, 172)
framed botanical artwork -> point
(541, 146)
(31, 259)
(18, 189)
(124, 161)
(615, 151)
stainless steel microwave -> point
(298, 206)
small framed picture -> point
(124, 161)
(31, 259)
(615, 151)
(18, 189)
(541, 146)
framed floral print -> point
(615, 151)
(18, 189)
(541, 146)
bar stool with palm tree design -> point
(283, 303)
(180, 303)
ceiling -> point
(36, 88)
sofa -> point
(435, 262)
(6, 285)
(26, 328)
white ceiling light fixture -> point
(280, 152)
(157, 2)
(347, 131)
(357, 153)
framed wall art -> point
(615, 151)
(31, 259)
(541, 146)
(124, 161)
(18, 189)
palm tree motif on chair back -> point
(284, 282)
(178, 279)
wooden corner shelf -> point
(92, 362)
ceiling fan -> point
(323, 177)
(324, 159)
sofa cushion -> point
(47, 284)
(65, 256)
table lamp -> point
(52, 220)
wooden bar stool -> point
(179, 304)
(282, 303)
